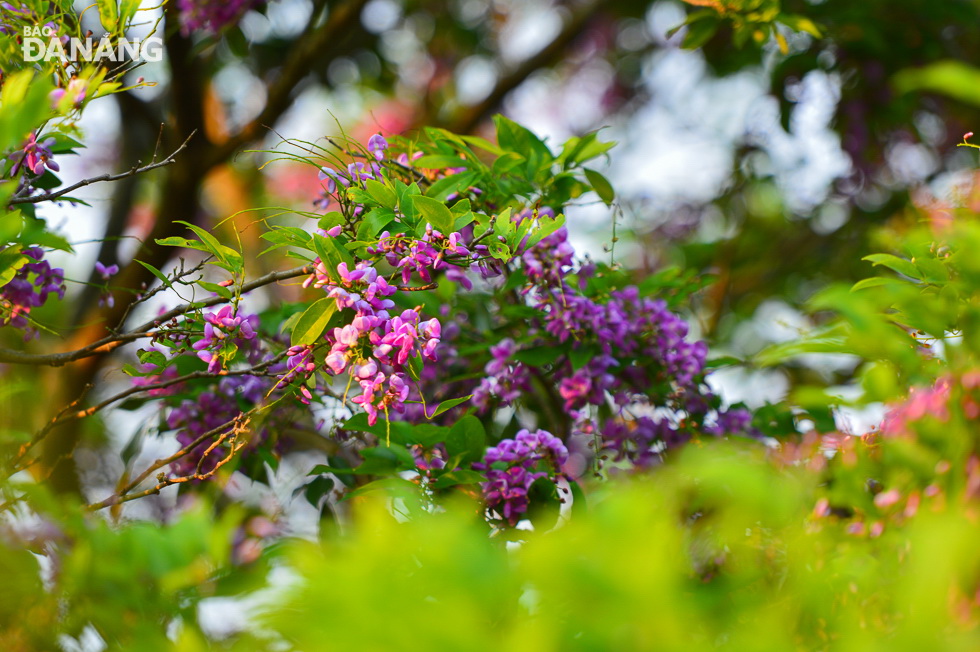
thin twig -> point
(136, 169)
(178, 277)
(224, 431)
(67, 415)
(165, 482)
(112, 342)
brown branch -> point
(26, 448)
(112, 342)
(136, 169)
(67, 415)
(236, 425)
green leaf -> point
(385, 459)
(723, 361)
(454, 183)
(900, 265)
(513, 137)
(184, 243)
(35, 233)
(435, 213)
(700, 32)
(374, 223)
(381, 193)
(507, 162)
(832, 342)
(800, 24)
(458, 477)
(11, 225)
(547, 227)
(545, 504)
(289, 235)
(152, 356)
(464, 220)
(932, 270)
(310, 326)
(401, 432)
(538, 356)
(232, 259)
(415, 367)
(439, 161)
(874, 282)
(601, 186)
(956, 79)
(581, 356)
(331, 254)
(109, 14)
(579, 150)
(156, 272)
(220, 290)
(482, 143)
(317, 489)
(11, 260)
(467, 439)
(450, 404)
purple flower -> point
(529, 456)
(377, 145)
(29, 289)
(223, 331)
(332, 177)
(106, 272)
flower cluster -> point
(300, 365)
(632, 356)
(202, 16)
(420, 256)
(29, 289)
(548, 262)
(926, 401)
(223, 331)
(76, 92)
(356, 173)
(514, 465)
(35, 156)
(441, 382)
(198, 405)
(506, 380)
(429, 458)
(376, 346)
(899, 484)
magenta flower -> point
(36, 156)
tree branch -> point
(68, 414)
(236, 425)
(112, 342)
(136, 169)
